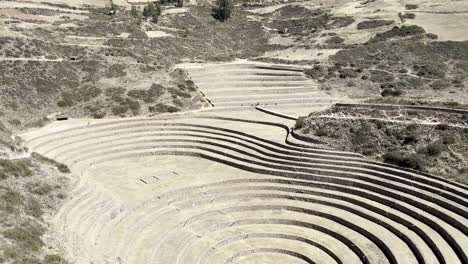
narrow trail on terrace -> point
(232, 184)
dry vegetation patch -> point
(429, 141)
(31, 189)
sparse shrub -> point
(66, 101)
(34, 208)
(54, 259)
(440, 84)
(134, 12)
(162, 108)
(435, 149)
(14, 122)
(11, 199)
(134, 106)
(119, 109)
(114, 91)
(138, 94)
(223, 9)
(411, 6)
(409, 16)
(321, 132)
(40, 188)
(82, 94)
(347, 73)
(402, 159)
(432, 36)
(99, 114)
(16, 168)
(335, 40)
(368, 24)
(442, 127)
(116, 71)
(316, 72)
(339, 22)
(177, 102)
(391, 92)
(63, 168)
(299, 122)
(431, 69)
(60, 166)
(153, 10)
(381, 77)
(404, 31)
(179, 93)
(27, 236)
(148, 96)
(448, 139)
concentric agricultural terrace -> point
(232, 185)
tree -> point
(180, 3)
(112, 8)
(134, 12)
(152, 10)
(224, 9)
